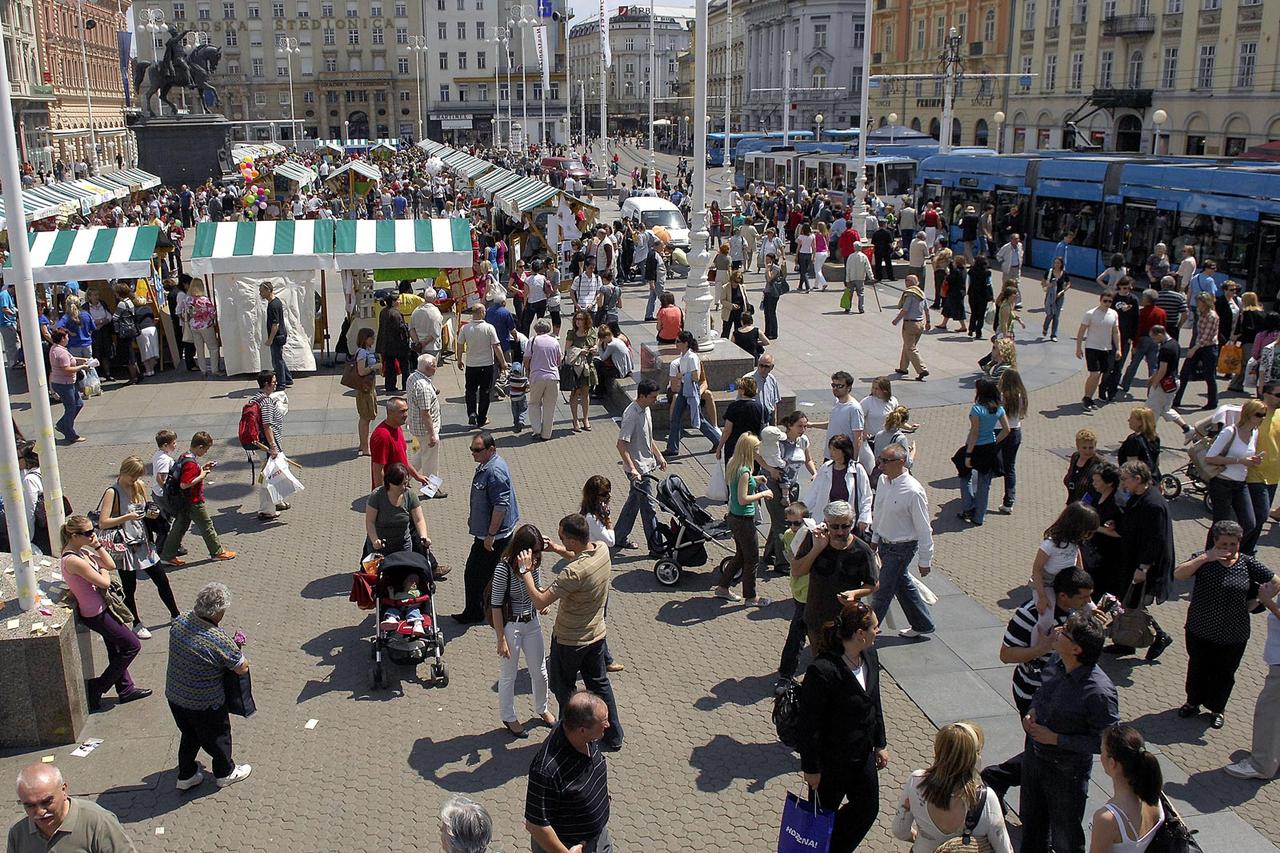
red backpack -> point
(251, 425)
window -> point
(1025, 71)
(820, 36)
(444, 94)
(377, 35)
(326, 10)
(231, 38)
(203, 13)
(462, 5)
(1080, 12)
(1169, 68)
(284, 98)
(462, 60)
(483, 95)
(962, 26)
(462, 31)
(260, 99)
(1106, 68)
(353, 36)
(179, 11)
(554, 92)
(1173, 7)
(859, 34)
(402, 65)
(629, 44)
(1135, 70)
(1108, 9)
(308, 97)
(254, 11)
(442, 31)
(1076, 80)
(405, 96)
(304, 10)
(479, 5)
(520, 92)
(1055, 10)
(402, 10)
(330, 37)
(330, 64)
(1142, 7)
(462, 93)
(1050, 73)
(921, 34)
(233, 67)
(256, 67)
(228, 11)
(504, 92)
(482, 59)
(440, 5)
(819, 78)
(1210, 5)
(887, 40)
(940, 31)
(444, 61)
(989, 26)
(1204, 69)
(277, 10)
(480, 31)
(353, 12)
(282, 69)
(537, 91)
(1246, 64)
(331, 97)
(402, 35)
(1029, 15)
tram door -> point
(1266, 279)
(1142, 226)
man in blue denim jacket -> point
(493, 516)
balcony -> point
(1134, 99)
(1129, 25)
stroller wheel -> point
(440, 675)
(1170, 487)
(667, 571)
(379, 677)
(737, 574)
(1208, 501)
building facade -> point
(32, 93)
(911, 39)
(630, 78)
(822, 39)
(82, 64)
(1105, 70)
(727, 63)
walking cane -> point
(875, 291)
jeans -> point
(1261, 496)
(1144, 349)
(1055, 786)
(1232, 502)
(122, 647)
(197, 514)
(1052, 314)
(479, 384)
(895, 560)
(1009, 456)
(519, 412)
(654, 295)
(71, 406)
(675, 428)
(796, 635)
(769, 305)
(209, 730)
(283, 378)
(973, 494)
(522, 637)
(477, 574)
(640, 499)
(11, 347)
(1202, 365)
(804, 269)
(860, 784)
(564, 666)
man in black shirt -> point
(1163, 384)
(566, 807)
(1126, 306)
(743, 415)
(277, 334)
(882, 242)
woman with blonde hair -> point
(821, 251)
(121, 513)
(1202, 359)
(1143, 443)
(1003, 356)
(1016, 406)
(1248, 324)
(745, 492)
(896, 426)
(938, 801)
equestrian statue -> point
(179, 68)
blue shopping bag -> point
(806, 828)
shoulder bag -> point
(967, 842)
(1199, 449)
(1173, 836)
(1134, 627)
(351, 377)
(508, 613)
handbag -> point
(569, 379)
(967, 842)
(806, 826)
(239, 692)
(1199, 449)
(717, 486)
(351, 378)
(1134, 627)
(1173, 836)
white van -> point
(657, 211)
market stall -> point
(353, 179)
(236, 257)
(465, 165)
(92, 253)
(294, 175)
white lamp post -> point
(521, 18)
(864, 105)
(653, 165)
(287, 47)
(999, 117)
(154, 25)
(1158, 118)
(817, 120)
(893, 122)
(697, 293)
(725, 162)
(418, 45)
(89, 24)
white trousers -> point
(523, 637)
(426, 459)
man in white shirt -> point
(424, 417)
(901, 532)
(1097, 342)
(535, 303)
(425, 324)
(846, 418)
(640, 455)
(1010, 258)
(857, 269)
(480, 354)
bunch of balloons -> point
(247, 170)
(434, 167)
(255, 197)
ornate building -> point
(32, 93)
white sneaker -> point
(241, 772)
(188, 784)
(142, 632)
(912, 633)
(1244, 769)
(726, 593)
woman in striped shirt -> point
(515, 620)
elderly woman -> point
(581, 345)
(200, 653)
(393, 516)
(465, 826)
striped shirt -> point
(271, 417)
(1174, 304)
(568, 791)
(505, 585)
(1020, 634)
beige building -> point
(1107, 69)
(32, 91)
(910, 38)
(727, 63)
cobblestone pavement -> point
(701, 768)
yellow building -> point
(1108, 71)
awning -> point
(255, 150)
(523, 195)
(93, 193)
(360, 167)
(296, 172)
(41, 201)
(92, 253)
(129, 180)
(247, 247)
(465, 165)
(432, 147)
(496, 180)
(366, 244)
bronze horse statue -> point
(152, 78)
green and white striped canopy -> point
(432, 147)
(367, 244)
(247, 247)
(296, 172)
(92, 253)
(494, 181)
(523, 195)
(364, 171)
(129, 180)
(465, 165)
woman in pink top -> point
(87, 565)
(542, 366)
(63, 367)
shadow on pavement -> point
(694, 611)
(491, 760)
(333, 586)
(348, 651)
(153, 796)
(1212, 790)
(738, 691)
(325, 458)
(725, 759)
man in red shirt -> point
(387, 444)
(191, 476)
(849, 237)
(1144, 348)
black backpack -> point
(126, 324)
(175, 497)
(786, 713)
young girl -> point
(366, 397)
(1060, 550)
(1014, 395)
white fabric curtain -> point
(242, 318)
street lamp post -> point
(999, 117)
(89, 24)
(520, 18)
(893, 122)
(817, 120)
(582, 96)
(1158, 118)
(418, 44)
(864, 105)
(288, 47)
(154, 25)
(725, 163)
(786, 101)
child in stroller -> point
(407, 613)
(400, 589)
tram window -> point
(1227, 241)
(898, 179)
(749, 170)
(1056, 217)
(838, 177)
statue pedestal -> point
(184, 149)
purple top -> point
(88, 597)
(545, 356)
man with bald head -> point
(56, 822)
(567, 801)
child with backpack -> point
(184, 494)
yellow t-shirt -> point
(581, 589)
(800, 585)
(1268, 444)
(407, 303)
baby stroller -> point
(375, 587)
(682, 540)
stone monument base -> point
(186, 149)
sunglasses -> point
(839, 526)
(1106, 301)
(477, 450)
(838, 385)
(888, 460)
(795, 524)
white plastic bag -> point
(279, 479)
(929, 596)
(717, 488)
